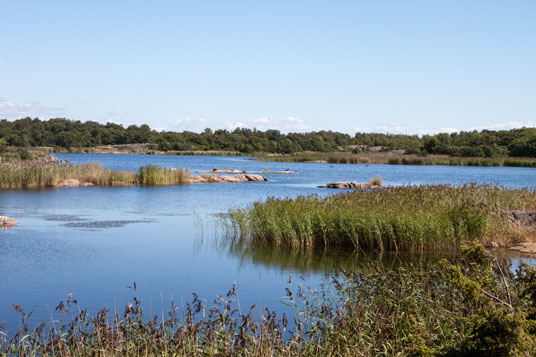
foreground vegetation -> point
(36, 174)
(69, 134)
(476, 306)
(394, 218)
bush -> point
(376, 181)
(25, 154)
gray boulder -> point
(523, 217)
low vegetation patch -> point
(376, 181)
(475, 306)
(394, 218)
(396, 158)
(36, 174)
(156, 175)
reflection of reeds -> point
(322, 259)
(34, 174)
(399, 159)
(396, 218)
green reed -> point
(156, 175)
(394, 218)
(399, 159)
(36, 174)
(476, 306)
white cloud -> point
(234, 125)
(284, 124)
(263, 120)
(117, 113)
(11, 110)
(400, 129)
(189, 120)
(189, 124)
(504, 126)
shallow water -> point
(95, 241)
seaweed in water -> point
(104, 224)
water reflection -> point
(328, 260)
(324, 260)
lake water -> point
(95, 241)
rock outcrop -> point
(344, 184)
(49, 158)
(529, 248)
(254, 177)
(73, 183)
(69, 183)
(523, 217)
(6, 221)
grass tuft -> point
(376, 181)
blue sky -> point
(384, 66)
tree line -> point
(68, 134)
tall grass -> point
(399, 159)
(476, 307)
(156, 175)
(34, 174)
(397, 218)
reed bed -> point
(476, 306)
(394, 218)
(34, 174)
(156, 175)
(394, 158)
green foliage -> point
(25, 154)
(503, 320)
(3, 145)
(69, 134)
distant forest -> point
(67, 134)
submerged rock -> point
(230, 178)
(6, 221)
(229, 171)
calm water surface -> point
(95, 241)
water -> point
(95, 241)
